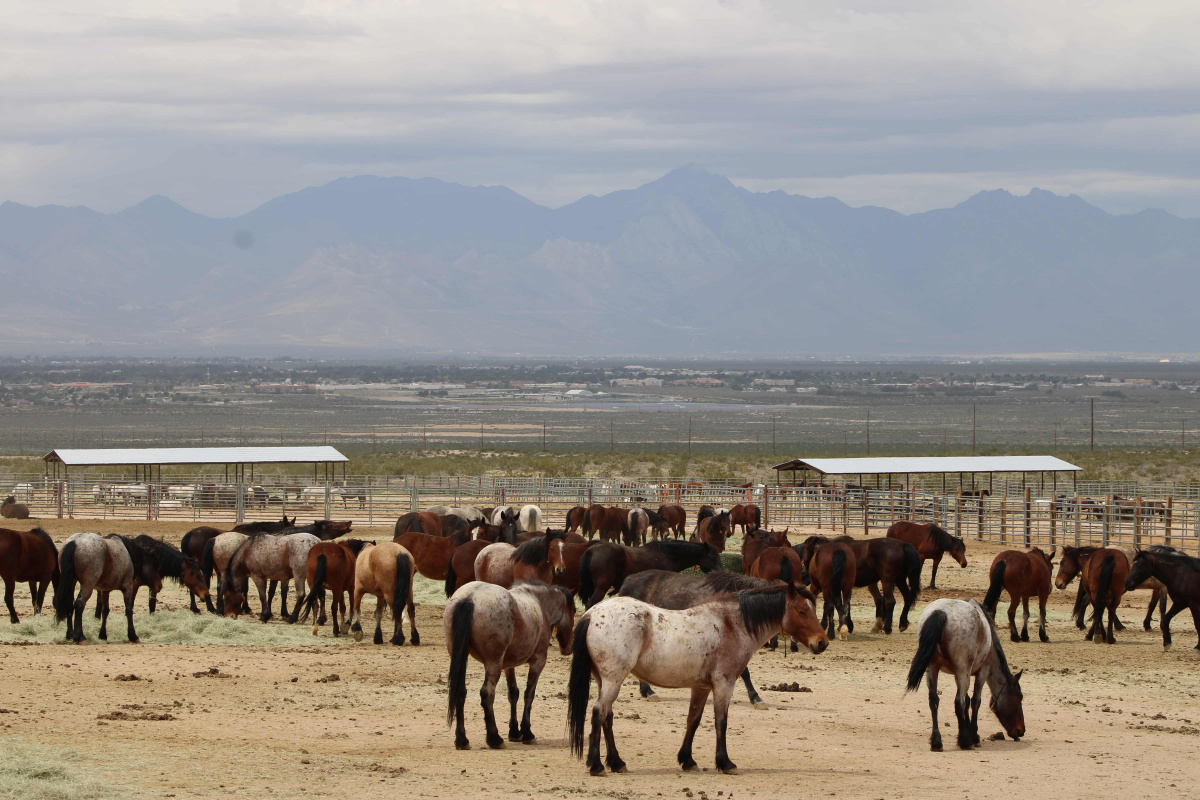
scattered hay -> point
(43, 773)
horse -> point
(263, 557)
(330, 565)
(832, 570)
(494, 564)
(193, 544)
(1023, 574)
(419, 522)
(27, 557)
(386, 571)
(609, 523)
(637, 522)
(754, 543)
(705, 648)
(574, 519)
(173, 563)
(461, 569)
(678, 591)
(605, 566)
(531, 560)
(14, 510)
(529, 518)
(323, 529)
(263, 527)
(468, 513)
(502, 514)
(431, 553)
(217, 552)
(891, 563)
(565, 558)
(957, 637)
(503, 629)
(749, 516)
(714, 530)
(101, 564)
(1179, 573)
(672, 519)
(931, 542)
(1069, 565)
(1103, 579)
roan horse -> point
(386, 571)
(605, 566)
(504, 629)
(931, 542)
(101, 564)
(1179, 573)
(27, 557)
(1023, 574)
(263, 557)
(956, 636)
(704, 648)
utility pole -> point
(543, 436)
(689, 436)
(972, 429)
(1182, 434)
(612, 440)
(481, 436)
(845, 443)
(868, 431)
(1093, 444)
(1056, 436)
(774, 452)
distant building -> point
(636, 382)
(773, 382)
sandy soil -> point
(1123, 720)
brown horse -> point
(193, 544)
(258, 527)
(419, 521)
(531, 560)
(671, 519)
(386, 571)
(890, 563)
(1023, 574)
(609, 523)
(931, 542)
(574, 519)
(714, 530)
(1103, 578)
(565, 557)
(605, 566)
(14, 510)
(330, 566)
(27, 557)
(749, 516)
(431, 553)
(173, 563)
(461, 569)
(832, 570)
(757, 541)
(1071, 563)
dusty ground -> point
(1123, 719)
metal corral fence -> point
(1097, 514)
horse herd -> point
(513, 587)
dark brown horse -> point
(931, 542)
(173, 563)
(260, 527)
(192, 545)
(323, 529)
(1023, 574)
(831, 569)
(714, 530)
(14, 510)
(419, 521)
(672, 519)
(431, 553)
(531, 559)
(1103, 577)
(331, 566)
(749, 516)
(575, 518)
(1070, 563)
(565, 557)
(890, 563)
(605, 566)
(27, 557)
(1179, 573)
(609, 522)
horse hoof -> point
(937, 748)
(653, 698)
(314, 630)
(464, 745)
(621, 770)
(730, 771)
(134, 640)
(357, 636)
(878, 626)
(843, 634)
(530, 740)
(903, 627)
(760, 706)
(597, 773)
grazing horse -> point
(173, 563)
(330, 565)
(431, 553)
(101, 564)
(749, 516)
(193, 544)
(27, 557)
(705, 648)
(503, 629)
(890, 563)
(1179, 573)
(419, 521)
(671, 519)
(956, 637)
(14, 510)
(931, 542)
(1103, 577)
(574, 519)
(264, 527)
(1069, 565)
(263, 557)
(217, 553)
(605, 566)
(637, 522)
(713, 530)
(386, 571)
(832, 570)
(1023, 574)
(677, 591)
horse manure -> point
(788, 687)
(125, 716)
(294, 680)
(212, 672)
(998, 736)
(129, 677)
(332, 677)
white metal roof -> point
(895, 466)
(195, 455)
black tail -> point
(993, 593)
(318, 586)
(927, 645)
(579, 687)
(587, 521)
(837, 573)
(586, 587)
(206, 561)
(64, 596)
(460, 649)
(403, 585)
(785, 571)
(757, 517)
(1106, 572)
(451, 579)
(912, 568)
(1081, 598)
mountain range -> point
(687, 264)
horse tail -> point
(912, 568)
(837, 572)
(64, 596)
(207, 565)
(460, 649)
(579, 686)
(318, 585)
(1080, 608)
(757, 517)
(1106, 572)
(586, 586)
(927, 644)
(587, 522)
(785, 571)
(451, 578)
(403, 584)
(993, 593)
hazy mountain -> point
(687, 263)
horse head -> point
(1141, 569)
(801, 621)
(1006, 705)
(1068, 567)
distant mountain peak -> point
(1036, 199)
(691, 179)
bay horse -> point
(14, 510)
(957, 637)
(193, 544)
(704, 648)
(713, 530)
(605, 566)
(832, 570)
(1023, 574)
(330, 565)
(419, 521)
(931, 542)
(754, 543)
(777, 564)
(1103, 577)
(677, 591)
(531, 560)
(673, 519)
(386, 571)
(1179, 573)
(174, 564)
(27, 557)
(609, 523)
(749, 516)
(260, 527)
(262, 557)
(323, 529)
(1070, 564)
(101, 564)
(503, 629)
(431, 553)
(890, 563)
(574, 519)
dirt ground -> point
(1121, 720)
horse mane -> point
(355, 545)
(997, 649)
(730, 582)
(534, 551)
(1173, 556)
(41, 534)
(137, 554)
(170, 560)
(762, 608)
(942, 537)
(705, 513)
(677, 548)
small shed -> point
(144, 460)
(929, 465)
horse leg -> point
(722, 693)
(271, 595)
(976, 699)
(1154, 597)
(336, 601)
(1042, 618)
(931, 680)
(10, 588)
(933, 574)
(849, 623)
(889, 605)
(602, 721)
(647, 692)
(291, 620)
(962, 710)
(827, 614)
(1112, 618)
(412, 620)
(1165, 624)
(874, 589)
(1196, 622)
(102, 613)
(283, 593)
(1024, 619)
(356, 613)
(612, 758)
(261, 584)
(695, 713)
(130, 595)
(487, 699)
(80, 604)
(192, 602)
(531, 682)
(378, 619)
(40, 597)
(1080, 606)
(514, 694)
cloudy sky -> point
(911, 105)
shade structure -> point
(928, 465)
(142, 456)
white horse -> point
(956, 637)
(23, 492)
(704, 648)
(530, 519)
(500, 512)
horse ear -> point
(1053, 550)
(1017, 677)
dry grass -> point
(41, 773)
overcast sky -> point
(910, 105)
